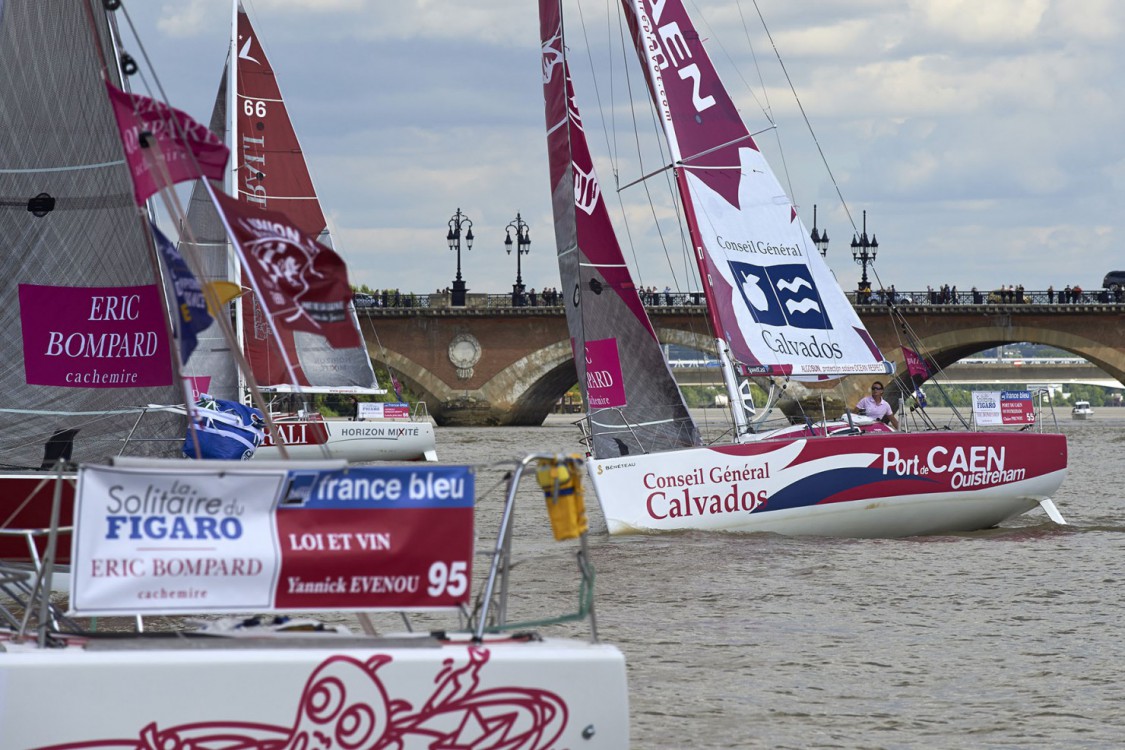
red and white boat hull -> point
(880, 484)
(317, 438)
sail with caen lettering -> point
(776, 311)
(633, 402)
(770, 296)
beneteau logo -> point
(244, 52)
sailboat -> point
(76, 255)
(777, 312)
(269, 171)
(154, 536)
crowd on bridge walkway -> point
(1013, 294)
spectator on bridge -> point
(1051, 295)
(1066, 295)
(875, 407)
(1077, 292)
(668, 295)
(977, 299)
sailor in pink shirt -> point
(875, 407)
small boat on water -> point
(1082, 410)
(776, 313)
(307, 538)
(270, 171)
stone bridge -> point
(509, 365)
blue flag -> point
(191, 307)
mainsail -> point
(632, 400)
(770, 296)
(212, 366)
(84, 330)
(270, 173)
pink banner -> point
(603, 375)
(915, 364)
(94, 337)
(189, 150)
(301, 284)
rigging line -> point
(685, 162)
(69, 168)
(623, 41)
(805, 116)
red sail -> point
(271, 174)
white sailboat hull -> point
(357, 442)
(305, 692)
(874, 485)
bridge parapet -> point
(497, 364)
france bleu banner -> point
(271, 537)
(191, 306)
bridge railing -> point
(990, 297)
(656, 300)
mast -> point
(231, 187)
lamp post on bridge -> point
(863, 252)
(454, 238)
(819, 240)
(523, 247)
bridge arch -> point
(524, 363)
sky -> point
(985, 139)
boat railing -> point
(560, 477)
(26, 603)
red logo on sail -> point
(302, 284)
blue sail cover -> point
(224, 429)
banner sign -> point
(204, 540)
(381, 410)
(604, 383)
(1003, 408)
(94, 336)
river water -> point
(1007, 638)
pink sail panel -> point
(188, 149)
(301, 285)
(770, 294)
(94, 337)
(632, 401)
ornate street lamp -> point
(863, 252)
(523, 247)
(454, 238)
(819, 240)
